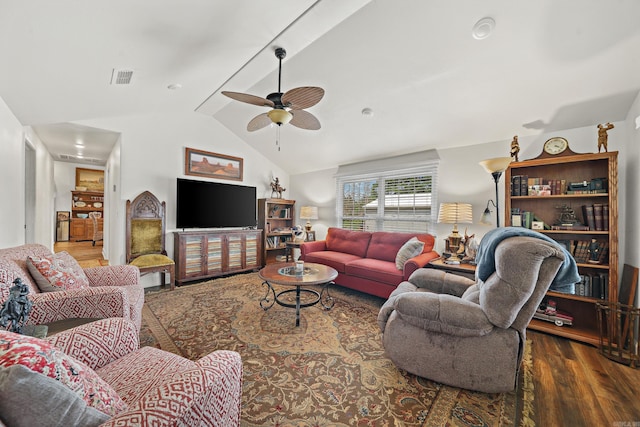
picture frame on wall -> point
(212, 165)
(89, 180)
(311, 236)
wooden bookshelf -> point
(573, 168)
(276, 217)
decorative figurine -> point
(602, 136)
(470, 248)
(16, 308)
(567, 215)
(594, 252)
(515, 148)
(276, 188)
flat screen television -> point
(202, 204)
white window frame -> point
(359, 173)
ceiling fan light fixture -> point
(280, 116)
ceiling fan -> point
(286, 107)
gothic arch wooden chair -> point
(145, 217)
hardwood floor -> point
(574, 385)
(81, 251)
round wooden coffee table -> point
(284, 273)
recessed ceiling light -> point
(483, 28)
(368, 112)
(174, 86)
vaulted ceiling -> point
(547, 65)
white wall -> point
(151, 157)
(462, 179)
(12, 178)
(629, 187)
(45, 221)
(64, 174)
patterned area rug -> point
(329, 371)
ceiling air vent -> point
(76, 159)
(121, 77)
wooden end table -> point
(462, 269)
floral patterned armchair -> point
(108, 291)
(113, 382)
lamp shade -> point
(497, 164)
(280, 116)
(308, 212)
(455, 213)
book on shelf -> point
(569, 227)
(589, 217)
(605, 217)
(581, 252)
(593, 285)
(598, 215)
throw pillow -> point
(57, 272)
(42, 357)
(49, 403)
(412, 248)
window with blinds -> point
(398, 200)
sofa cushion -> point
(349, 242)
(57, 272)
(374, 269)
(411, 248)
(48, 401)
(385, 244)
(42, 357)
(336, 260)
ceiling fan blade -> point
(304, 120)
(258, 122)
(302, 97)
(249, 99)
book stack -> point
(594, 285)
(523, 185)
(593, 186)
(580, 250)
(596, 216)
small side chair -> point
(97, 234)
(145, 218)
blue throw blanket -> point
(565, 279)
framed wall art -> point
(89, 179)
(212, 165)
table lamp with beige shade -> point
(308, 212)
(455, 213)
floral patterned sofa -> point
(95, 375)
(97, 293)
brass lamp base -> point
(453, 246)
(307, 226)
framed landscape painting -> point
(212, 165)
(90, 179)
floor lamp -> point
(495, 167)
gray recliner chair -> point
(465, 333)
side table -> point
(462, 269)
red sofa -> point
(366, 261)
